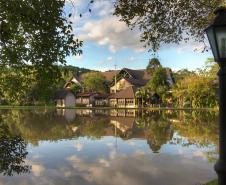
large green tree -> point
(94, 81)
(159, 84)
(197, 89)
(167, 21)
(153, 64)
(35, 37)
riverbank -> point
(213, 182)
(144, 108)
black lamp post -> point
(216, 34)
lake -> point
(107, 147)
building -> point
(101, 100)
(85, 98)
(128, 77)
(64, 98)
(92, 99)
(123, 86)
(71, 81)
(124, 98)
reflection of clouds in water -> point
(124, 170)
(110, 144)
(138, 153)
(131, 143)
(192, 154)
(37, 156)
(134, 170)
(79, 146)
(36, 168)
(199, 154)
(74, 159)
(104, 162)
(112, 154)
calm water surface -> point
(103, 147)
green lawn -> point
(213, 182)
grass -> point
(213, 182)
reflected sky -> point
(125, 147)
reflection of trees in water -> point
(184, 128)
(157, 127)
(12, 152)
(158, 130)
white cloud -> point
(112, 33)
(78, 57)
(109, 58)
(104, 8)
(79, 146)
(191, 46)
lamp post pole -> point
(220, 166)
(216, 33)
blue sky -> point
(107, 42)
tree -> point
(143, 95)
(153, 64)
(181, 74)
(37, 35)
(94, 81)
(199, 88)
(167, 21)
(159, 84)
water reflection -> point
(132, 147)
(12, 152)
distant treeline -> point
(195, 89)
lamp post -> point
(216, 34)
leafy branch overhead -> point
(167, 21)
(36, 32)
(35, 37)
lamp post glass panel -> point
(216, 34)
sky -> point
(108, 42)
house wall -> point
(83, 100)
(70, 100)
(101, 102)
(113, 102)
(130, 103)
(121, 84)
(60, 103)
(127, 103)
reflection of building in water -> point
(69, 114)
(123, 112)
(124, 124)
(84, 112)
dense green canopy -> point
(167, 21)
(35, 37)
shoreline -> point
(106, 108)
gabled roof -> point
(86, 94)
(138, 77)
(109, 75)
(125, 93)
(61, 94)
(140, 74)
(96, 95)
(73, 79)
(135, 82)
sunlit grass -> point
(213, 182)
